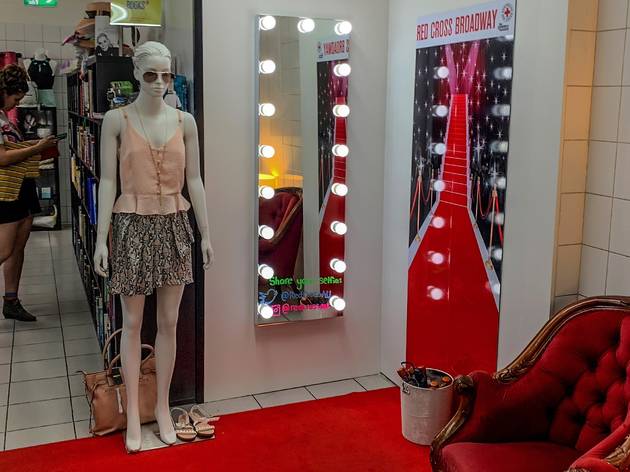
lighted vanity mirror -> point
(302, 71)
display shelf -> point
(30, 119)
(83, 163)
(87, 103)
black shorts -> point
(26, 204)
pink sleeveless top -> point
(144, 190)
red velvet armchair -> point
(561, 405)
(283, 213)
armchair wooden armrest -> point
(611, 455)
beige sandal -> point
(184, 430)
(201, 422)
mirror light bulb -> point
(306, 25)
(440, 111)
(339, 228)
(436, 258)
(267, 109)
(438, 222)
(341, 150)
(497, 254)
(441, 72)
(337, 303)
(439, 185)
(501, 183)
(341, 190)
(438, 148)
(499, 146)
(265, 271)
(503, 73)
(265, 311)
(266, 192)
(341, 111)
(343, 27)
(267, 66)
(338, 266)
(436, 293)
(267, 23)
(342, 70)
(501, 110)
(266, 151)
(265, 232)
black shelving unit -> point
(30, 119)
(87, 105)
(85, 111)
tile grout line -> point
(6, 416)
(65, 357)
(610, 225)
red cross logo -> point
(507, 12)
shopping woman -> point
(16, 211)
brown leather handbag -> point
(106, 394)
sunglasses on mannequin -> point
(151, 76)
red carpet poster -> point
(463, 89)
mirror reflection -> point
(302, 69)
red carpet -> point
(356, 432)
(459, 331)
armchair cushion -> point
(563, 403)
(575, 395)
(274, 211)
(512, 457)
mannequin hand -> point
(208, 253)
(100, 260)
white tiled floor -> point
(41, 396)
(37, 358)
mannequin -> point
(151, 121)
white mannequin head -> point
(152, 57)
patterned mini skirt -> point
(150, 251)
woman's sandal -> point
(184, 430)
(202, 423)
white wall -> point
(240, 358)
(68, 12)
(532, 171)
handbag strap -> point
(117, 358)
(108, 341)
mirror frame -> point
(339, 176)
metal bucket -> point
(425, 411)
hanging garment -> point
(152, 236)
(42, 74)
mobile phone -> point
(116, 376)
(61, 136)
